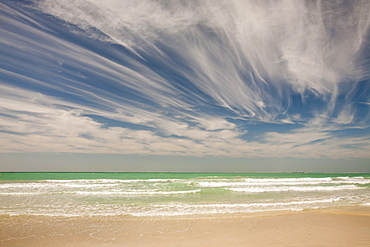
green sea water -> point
(170, 194)
(26, 176)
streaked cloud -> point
(193, 78)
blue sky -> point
(264, 85)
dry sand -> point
(330, 227)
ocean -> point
(176, 194)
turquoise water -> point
(159, 175)
(170, 194)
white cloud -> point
(295, 138)
(244, 58)
(236, 48)
(41, 126)
(345, 117)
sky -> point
(196, 85)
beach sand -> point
(327, 227)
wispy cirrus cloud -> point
(191, 78)
(239, 53)
(36, 123)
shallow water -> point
(170, 194)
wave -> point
(302, 189)
(273, 180)
(110, 180)
(21, 193)
(176, 209)
(136, 192)
(284, 182)
(50, 186)
(255, 183)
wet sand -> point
(329, 227)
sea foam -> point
(166, 196)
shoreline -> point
(344, 226)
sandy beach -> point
(348, 226)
